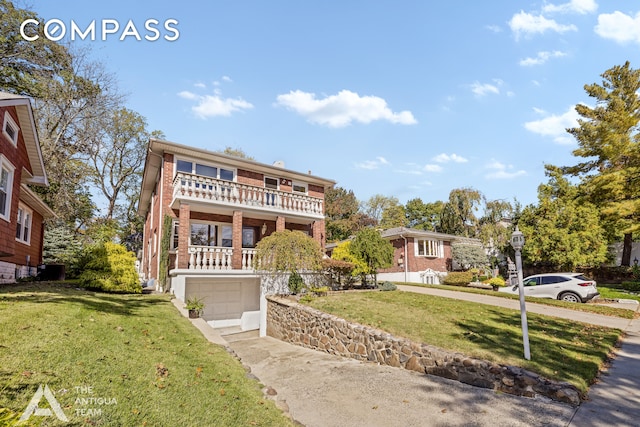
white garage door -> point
(225, 299)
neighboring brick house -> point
(420, 256)
(220, 207)
(22, 212)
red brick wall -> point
(416, 263)
(250, 178)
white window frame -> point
(173, 244)
(300, 184)
(8, 120)
(219, 236)
(24, 225)
(5, 165)
(213, 165)
(432, 248)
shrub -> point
(110, 268)
(458, 278)
(322, 290)
(306, 299)
(631, 286)
(296, 283)
(495, 281)
(387, 286)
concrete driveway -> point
(322, 390)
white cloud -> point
(433, 168)
(215, 105)
(527, 24)
(619, 27)
(200, 85)
(541, 58)
(445, 158)
(342, 109)
(493, 28)
(501, 171)
(484, 89)
(372, 164)
(574, 6)
(555, 126)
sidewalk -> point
(615, 399)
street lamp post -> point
(517, 241)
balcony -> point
(248, 197)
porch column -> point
(184, 229)
(280, 223)
(318, 231)
(236, 258)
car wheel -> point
(570, 297)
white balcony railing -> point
(217, 258)
(232, 193)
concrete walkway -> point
(319, 389)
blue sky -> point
(400, 98)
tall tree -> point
(394, 215)
(608, 138)
(116, 156)
(563, 230)
(370, 247)
(26, 64)
(423, 216)
(341, 212)
(458, 214)
(375, 206)
(494, 226)
(236, 152)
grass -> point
(615, 293)
(590, 308)
(136, 349)
(562, 350)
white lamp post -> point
(517, 241)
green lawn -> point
(134, 350)
(563, 350)
(590, 307)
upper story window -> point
(23, 224)
(430, 248)
(299, 187)
(6, 185)
(188, 166)
(10, 128)
(271, 183)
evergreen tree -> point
(608, 138)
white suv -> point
(571, 287)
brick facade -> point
(264, 219)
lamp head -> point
(517, 239)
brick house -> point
(220, 207)
(420, 256)
(22, 212)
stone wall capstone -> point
(298, 324)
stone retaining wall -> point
(302, 325)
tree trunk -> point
(626, 250)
